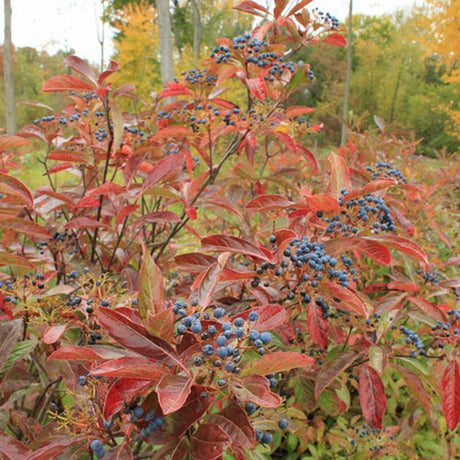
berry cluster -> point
(199, 77)
(372, 436)
(328, 21)
(413, 338)
(221, 342)
(306, 263)
(370, 209)
(387, 171)
(149, 421)
(65, 241)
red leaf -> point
(56, 448)
(13, 187)
(159, 217)
(428, 308)
(332, 369)
(286, 140)
(161, 324)
(173, 391)
(82, 67)
(256, 389)
(174, 89)
(125, 212)
(134, 337)
(64, 155)
(208, 283)
(451, 394)
(278, 361)
(191, 212)
(150, 297)
(372, 395)
(297, 110)
(323, 203)
(317, 326)
(9, 334)
(53, 334)
(93, 353)
(251, 7)
(66, 83)
(403, 245)
(175, 131)
(235, 422)
(25, 226)
(267, 203)
(13, 449)
(335, 39)
(8, 142)
(298, 7)
(7, 258)
(130, 367)
(349, 300)
(84, 222)
(113, 67)
(340, 176)
(177, 423)
(170, 164)
(372, 187)
(121, 391)
(193, 262)
(375, 251)
(121, 452)
(224, 243)
(88, 202)
(209, 441)
(105, 189)
(270, 316)
(258, 87)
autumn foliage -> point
(194, 282)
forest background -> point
(404, 68)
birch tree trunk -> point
(8, 71)
(343, 138)
(165, 41)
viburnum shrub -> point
(194, 283)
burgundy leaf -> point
(208, 442)
(134, 337)
(255, 388)
(317, 326)
(333, 368)
(66, 83)
(130, 367)
(451, 394)
(9, 334)
(120, 392)
(173, 390)
(372, 395)
(235, 422)
(82, 67)
(223, 243)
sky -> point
(74, 24)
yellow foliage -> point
(137, 48)
(443, 25)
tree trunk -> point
(8, 71)
(165, 42)
(197, 27)
(343, 138)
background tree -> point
(8, 71)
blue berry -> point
(253, 316)
(82, 380)
(196, 327)
(208, 349)
(96, 444)
(259, 435)
(239, 322)
(222, 352)
(218, 313)
(221, 341)
(267, 438)
(283, 423)
(266, 337)
(250, 408)
(138, 411)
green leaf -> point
(19, 350)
